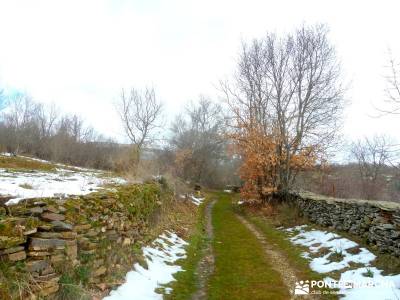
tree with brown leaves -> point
(285, 103)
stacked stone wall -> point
(45, 237)
(377, 222)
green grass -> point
(70, 290)
(187, 281)
(279, 241)
(241, 269)
(368, 273)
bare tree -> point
(371, 156)
(198, 142)
(21, 122)
(392, 105)
(139, 113)
(32, 128)
(289, 88)
(47, 118)
(392, 90)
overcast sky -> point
(79, 54)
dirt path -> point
(206, 265)
(278, 260)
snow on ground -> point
(65, 180)
(160, 258)
(359, 283)
(197, 200)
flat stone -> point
(36, 211)
(387, 226)
(38, 253)
(36, 265)
(11, 250)
(45, 227)
(31, 231)
(16, 256)
(48, 270)
(55, 235)
(51, 209)
(48, 216)
(38, 244)
(61, 226)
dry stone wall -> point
(377, 222)
(44, 237)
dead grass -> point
(280, 214)
(336, 256)
(18, 163)
(321, 252)
(26, 186)
(354, 250)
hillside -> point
(25, 177)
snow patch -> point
(64, 181)
(374, 286)
(160, 258)
(197, 200)
(368, 283)
(315, 240)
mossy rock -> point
(11, 241)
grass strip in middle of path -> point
(242, 270)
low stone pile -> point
(378, 222)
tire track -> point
(278, 261)
(205, 266)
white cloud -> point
(79, 54)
